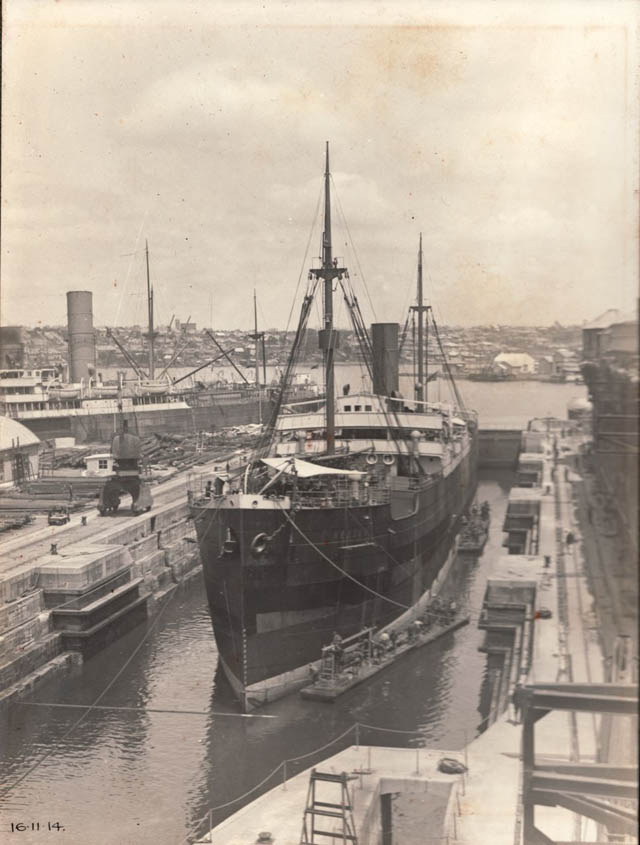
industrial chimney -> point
(384, 339)
(82, 342)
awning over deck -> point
(305, 469)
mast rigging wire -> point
(353, 246)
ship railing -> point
(204, 486)
(341, 497)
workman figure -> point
(518, 701)
(338, 651)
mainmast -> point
(422, 309)
(328, 338)
(151, 335)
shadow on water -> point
(139, 776)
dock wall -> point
(59, 608)
(499, 448)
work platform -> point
(332, 689)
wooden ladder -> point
(342, 810)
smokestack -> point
(384, 339)
(82, 342)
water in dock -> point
(140, 776)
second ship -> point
(346, 516)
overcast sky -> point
(506, 133)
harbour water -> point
(124, 772)
(139, 776)
(509, 402)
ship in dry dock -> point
(347, 514)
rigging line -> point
(306, 253)
(359, 330)
(148, 710)
(335, 565)
(458, 397)
(269, 431)
(89, 707)
(353, 246)
(397, 562)
(126, 279)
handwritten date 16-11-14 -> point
(19, 827)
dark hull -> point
(273, 613)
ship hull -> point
(96, 421)
(273, 612)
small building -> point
(99, 464)
(19, 453)
(516, 363)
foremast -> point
(152, 334)
(328, 338)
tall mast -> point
(256, 336)
(422, 309)
(152, 334)
(420, 388)
(328, 338)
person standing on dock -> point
(517, 700)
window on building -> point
(367, 408)
(357, 407)
(103, 463)
(347, 407)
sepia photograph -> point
(319, 422)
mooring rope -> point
(339, 568)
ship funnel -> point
(384, 340)
(82, 341)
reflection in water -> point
(124, 776)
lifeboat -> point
(63, 392)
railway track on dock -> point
(25, 547)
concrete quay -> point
(542, 623)
(67, 591)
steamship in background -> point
(87, 409)
(346, 516)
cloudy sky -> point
(505, 132)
